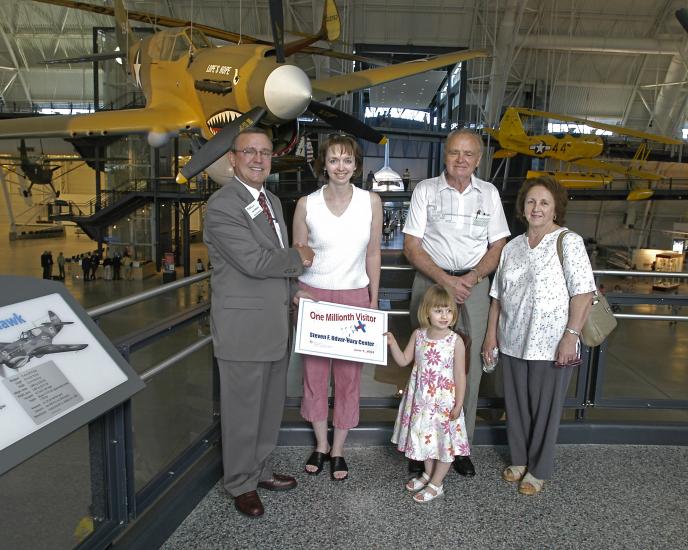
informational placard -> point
(341, 332)
(57, 370)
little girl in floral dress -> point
(430, 424)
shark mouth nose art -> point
(221, 119)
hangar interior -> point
(130, 477)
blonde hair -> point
(436, 296)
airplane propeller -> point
(221, 142)
(277, 19)
(682, 16)
(343, 121)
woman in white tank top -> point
(343, 225)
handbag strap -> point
(560, 253)
(560, 247)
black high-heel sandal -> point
(317, 459)
(338, 464)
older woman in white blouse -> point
(537, 312)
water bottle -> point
(490, 362)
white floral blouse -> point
(534, 293)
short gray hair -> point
(468, 133)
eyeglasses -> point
(252, 152)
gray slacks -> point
(534, 393)
(472, 323)
(252, 398)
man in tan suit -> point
(251, 292)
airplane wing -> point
(600, 125)
(158, 20)
(57, 348)
(213, 32)
(618, 168)
(324, 88)
(101, 123)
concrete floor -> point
(601, 497)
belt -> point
(456, 272)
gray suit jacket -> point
(250, 284)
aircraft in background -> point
(38, 172)
(211, 93)
(36, 342)
(580, 149)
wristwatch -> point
(476, 274)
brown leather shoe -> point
(278, 483)
(249, 504)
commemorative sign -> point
(341, 332)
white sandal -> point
(530, 485)
(513, 473)
(423, 496)
(417, 483)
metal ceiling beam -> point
(503, 58)
(668, 113)
(652, 32)
(13, 57)
(649, 46)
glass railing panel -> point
(46, 502)
(647, 359)
(176, 406)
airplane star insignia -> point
(539, 147)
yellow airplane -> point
(580, 149)
(213, 92)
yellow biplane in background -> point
(578, 148)
(211, 92)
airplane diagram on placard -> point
(36, 342)
(579, 149)
(212, 92)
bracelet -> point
(571, 331)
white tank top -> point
(339, 242)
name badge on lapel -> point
(254, 209)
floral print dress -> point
(423, 429)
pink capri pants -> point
(347, 374)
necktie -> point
(264, 205)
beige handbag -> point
(601, 321)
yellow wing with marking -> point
(600, 125)
(128, 121)
(328, 87)
(618, 168)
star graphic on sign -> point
(539, 148)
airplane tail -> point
(329, 30)
(331, 24)
(55, 320)
(511, 124)
(123, 30)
